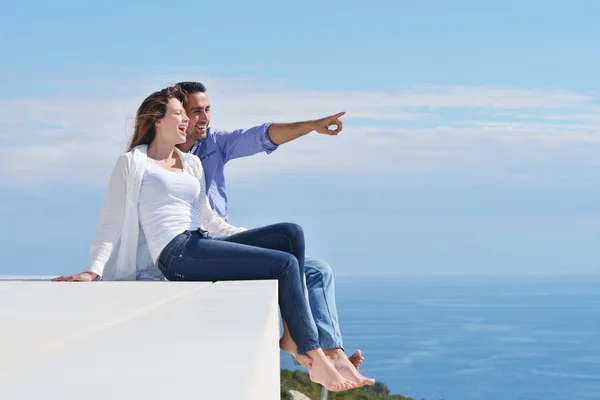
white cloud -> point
(74, 137)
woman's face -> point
(171, 128)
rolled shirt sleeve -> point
(244, 142)
(265, 141)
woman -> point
(160, 189)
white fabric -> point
(167, 206)
(119, 248)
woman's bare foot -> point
(323, 372)
(346, 368)
(287, 344)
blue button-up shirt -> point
(218, 148)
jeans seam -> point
(164, 266)
(172, 245)
(335, 332)
(276, 234)
(184, 245)
(303, 317)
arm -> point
(244, 142)
(280, 133)
(267, 137)
(215, 225)
(109, 227)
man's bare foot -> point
(287, 344)
(323, 372)
(346, 368)
(356, 358)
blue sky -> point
(470, 146)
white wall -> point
(139, 340)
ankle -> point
(317, 354)
(334, 353)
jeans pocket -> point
(173, 248)
(181, 246)
(172, 271)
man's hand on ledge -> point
(82, 277)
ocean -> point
(467, 338)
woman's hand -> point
(82, 277)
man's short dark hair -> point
(192, 87)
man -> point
(215, 148)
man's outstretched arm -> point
(280, 133)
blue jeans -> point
(270, 252)
(321, 297)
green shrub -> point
(300, 381)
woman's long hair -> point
(151, 110)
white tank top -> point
(167, 205)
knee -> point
(318, 269)
(292, 230)
(294, 233)
(289, 265)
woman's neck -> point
(160, 151)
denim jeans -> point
(321, 297)
(270, 252)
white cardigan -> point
(119, 248)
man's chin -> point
(193, 137)
(201, 136)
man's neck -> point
(186, 147)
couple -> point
(165, 216)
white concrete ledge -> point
(138, 340)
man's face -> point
(198, 111)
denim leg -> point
(321, 296)
(283, 237)
(193, 257)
